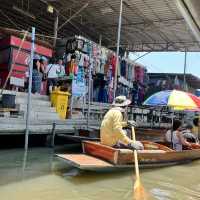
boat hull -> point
(98, 165)
(98, 157)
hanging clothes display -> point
(82, 53)
(123, 68)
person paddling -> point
(111, 131)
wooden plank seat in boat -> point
(120, 156)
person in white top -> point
(52, 76)
(60, 68)
(175, 137)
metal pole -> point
(118, 43)
(100, 41)
(29, 90)
(55, 30)
(89, 92)
(184, 75)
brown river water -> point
(40, 176)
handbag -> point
(44, 76)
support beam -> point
(9, 19)
(74, 15)
(55, 30)
(184, 75)
(189, 19)
(118, 43)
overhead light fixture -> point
(50, 9)
(23, 12)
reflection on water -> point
(40, 176)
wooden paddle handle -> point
(135, 157)
(133, 133)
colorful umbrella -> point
(176, 99)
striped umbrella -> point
(178, 100)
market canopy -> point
(147, 25)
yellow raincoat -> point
(111, 130)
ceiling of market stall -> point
(147, 25)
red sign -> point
(15, 41)
(22, 58)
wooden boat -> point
(98, 157)
(154, 135)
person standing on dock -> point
(111, 131)
(36, 76)
(52, 76)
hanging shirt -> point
(81, 61)
(123, 68)
(113, 61)
(60, 70)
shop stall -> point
(11, 58)
(82, 55)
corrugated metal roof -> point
(147, 25)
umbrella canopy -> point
(176, 99)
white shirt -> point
(52, 70)
(61, 70)
(177, 145)
(168, 136)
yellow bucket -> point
(60, 102)
(53, 96)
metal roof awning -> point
(147, 25)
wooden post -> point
(53, 134)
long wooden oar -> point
(138, 190)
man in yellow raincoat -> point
(111, 131)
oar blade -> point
(139, 191)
